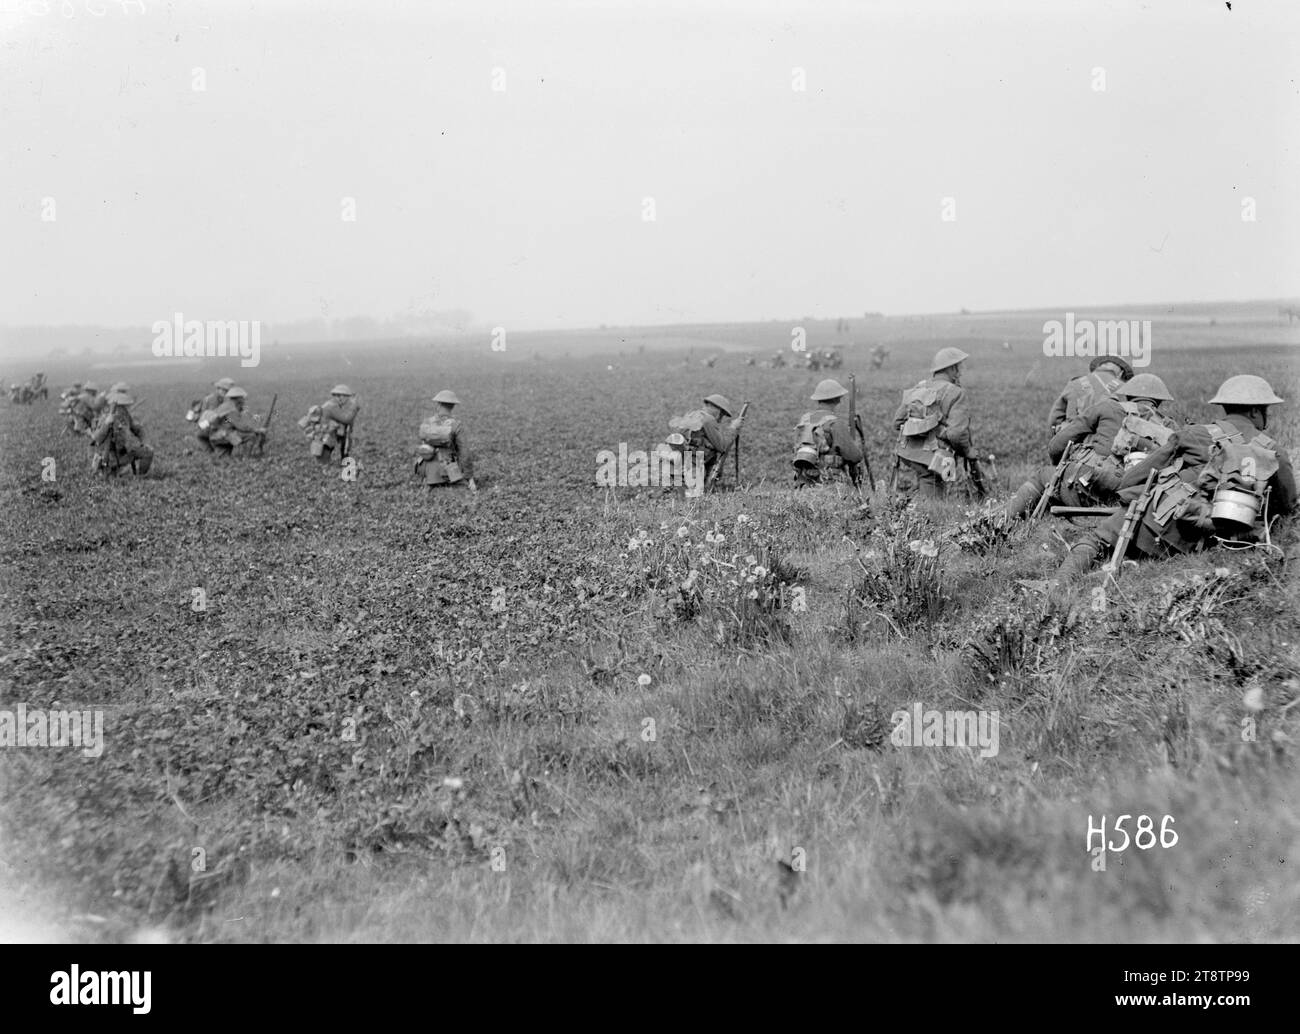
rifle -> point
(1054, 485)
(1081, 511)
(1136, 509)
(856, 424)
(347, 441)
(717, 467)
(266, 426)
(976, 474)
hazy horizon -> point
(524, 206)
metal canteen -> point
(806, 456)
(1234, 508)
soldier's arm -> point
(844, 442)
(1158, 460)
(340, 414)
(1072, 431)
(100, 432)
(719, 438)
(1282, 497)
(956, 430)
(900, 418)
(136, 429)
(1057, 415)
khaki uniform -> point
(949, 438)
(335, 419)
(86, 409)
(1093, 475)
(703, 432)
(1178, 519)
(444, 455)
(837, 446)
(231, 427)
(119, 442)
(1080, 394)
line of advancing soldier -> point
(115, 436)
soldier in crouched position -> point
(118, 439)
(700, 430)
(827, 446)
(231, 427)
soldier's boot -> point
(1025, 499)
(1077, 564)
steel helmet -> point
(1124, 369)
(947, 357)
(120, 387)
(1245, 389)
(121, 398)
(225, 383)
(447, 397)
(721, 402)
(1145, 386)
(341, 389)
(90, 386)
(828, 391)
(236, 392)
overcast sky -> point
(526, 204)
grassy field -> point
(500, 716)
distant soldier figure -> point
(444, 458)
(86, 408)
(1105, 374)
(1211, 480)
(826, 445)
(37, 387)
(230, 426)
(700, 430)
(67, 400)
(933, 427)
(1111, 435)
(328, 426)
(203, 411)
(878, 356)
(118, 440)
(778, 360)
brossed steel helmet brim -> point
(236, 392)
(1245, 389)
(224, 382)
(721, 402)
(947, 357)
(829, 390)
(121, 398)
(341, 389)
(1124, 369)
(447, 398)
(1145, 386)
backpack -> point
(1230, 484)
(813, 450)
(1088, 390)
(439, 432)
(1142, 431)
(918, 437)
(691, 428)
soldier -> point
(1105, 374)
(118, 439)
(204, 410)
(826, 443)
(778, 360)
(878, 356)
(67, 400)
(933, 427)
(699, 429)
(87, 407)
(444, 457)
(338, 417)
(1114, 434)
(1210, 480)
(231, 426)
